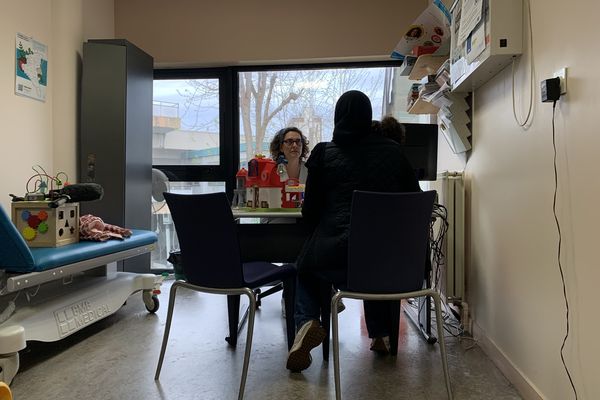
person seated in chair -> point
(378, 313)
(356, 159)
(390, 128)
(289, 148)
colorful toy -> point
(42, 226)
(267, 185)
(292, 194)
(239, 195)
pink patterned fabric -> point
(93, 228)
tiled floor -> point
(116, 359)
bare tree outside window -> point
(271, 100)
(263, 95)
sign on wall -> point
(31, 68)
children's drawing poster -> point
(431, 28)
(31, 67)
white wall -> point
(27, 133)
(67, 28)
(37, 132)
(200, 33)
(515, 286)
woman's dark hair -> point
(275, 147)
(376, 127)
(391, 128)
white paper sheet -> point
(471, 13)
(475, 43)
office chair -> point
(387, 247)
(211, 262)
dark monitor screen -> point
(420, 148)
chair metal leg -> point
(289, 294)
(336, 345)
(325, 302)
(441, 341)
(252, 311)
(233, 311)
(270, 291)
(163, 348)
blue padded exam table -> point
(47, 294)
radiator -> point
(451, 194)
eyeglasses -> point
(289, 142)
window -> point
(270, 100)
(207, 123)
(192, 124)
(185, 122)
(188, 142)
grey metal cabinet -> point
(115, 146)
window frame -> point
(224, 171)
(229, 118)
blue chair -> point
(387, 248)
(211, 262)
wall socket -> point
(562, 74)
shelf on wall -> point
(501, 32)
(422, 107)
(426, 64)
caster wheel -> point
(155, 305)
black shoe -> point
(309, 336)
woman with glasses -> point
(289, 147)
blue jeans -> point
(307, 305)
(313, 289)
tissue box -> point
(42, 226)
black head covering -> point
(352, 117)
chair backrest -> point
(14, 252)
(210, 252)
(387, 246)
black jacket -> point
(335, 170)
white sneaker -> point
(309, 336)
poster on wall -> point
(31, 67)
(431, 29)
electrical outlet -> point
(562, 74)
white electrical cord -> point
(531, 75)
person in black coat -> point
(356, 159)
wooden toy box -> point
(42, 226)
